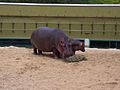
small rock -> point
(18, 58)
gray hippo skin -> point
(54, 40)
(77, 45)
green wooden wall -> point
(94, 22)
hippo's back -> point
(45, 38)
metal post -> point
(92, 26)
(13, 24)
(58, 25)
(81, 28)
(116, 29)
(103, 28)
(69, 28)
(24, 27)
(36, 25)
(46, 24)
(1, 27)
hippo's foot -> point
(35, 51)
(39, 52)
(56, 53)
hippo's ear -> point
(81, 44)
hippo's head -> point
(77, 45)
(65, 49)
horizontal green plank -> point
(59, 11)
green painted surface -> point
(97, 31)
(61, 11)
(77, 21)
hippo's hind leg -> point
(39, 52)
(56, 53)
(34, 50)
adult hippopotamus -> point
(54, 40)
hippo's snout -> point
(83, 50)
(68, 53)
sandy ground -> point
(21, 70)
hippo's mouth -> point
(68, 55)
(83, 50)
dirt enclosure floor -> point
(21, 70)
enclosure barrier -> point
(76, 30)
(99, 31)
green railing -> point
(76, 30)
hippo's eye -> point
(69, 45)
(62, 42)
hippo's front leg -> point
(56, 53)
(39, 52)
